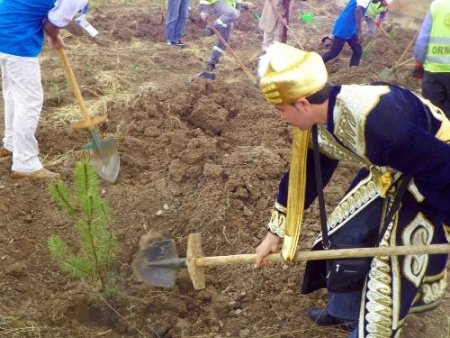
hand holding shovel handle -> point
(157, 263)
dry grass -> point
(15, 327)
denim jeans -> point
(177, 16)
(360, 231)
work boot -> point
(41, 174)
(322, 318)
(208, 75)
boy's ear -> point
(304, 103)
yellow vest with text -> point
(438, 56)
(375, 9)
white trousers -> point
(270, 37)
(23, 98)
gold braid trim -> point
(277, 222)
(379, 293)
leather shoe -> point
(5, 152)
(41, 174)
(322, 318)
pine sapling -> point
(98, 245)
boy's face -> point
(298, 114)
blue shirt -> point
(22, 26)
(421, 48)
(345, 25)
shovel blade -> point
(386, 74)
(145, 264)
(107, 167)
(105, 158)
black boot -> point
(322, 318)
(208, 75)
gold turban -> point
(288, 74)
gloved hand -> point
(418, 71)
(378, 23)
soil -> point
(201, 157)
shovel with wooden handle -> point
(387, 73)
(104, 155)
(157, 264)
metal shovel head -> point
(204, 75)
(157, 264)
(386, 74)
(105, 158)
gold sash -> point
(296, 193)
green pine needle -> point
(98, 246)
(60, 193)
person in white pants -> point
(22, 26)
(271, 24)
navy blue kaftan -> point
(385, 128)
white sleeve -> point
(363, 3)
(64, 11)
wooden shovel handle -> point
(328, 254)
(283, 22)
(236, 57)
(400, 59)
(73, 84)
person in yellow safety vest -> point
(432, 55)
(227, 12)
(375, 15)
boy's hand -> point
(55, 42)
(418, 71)
(269, 245)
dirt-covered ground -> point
(202, 157)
